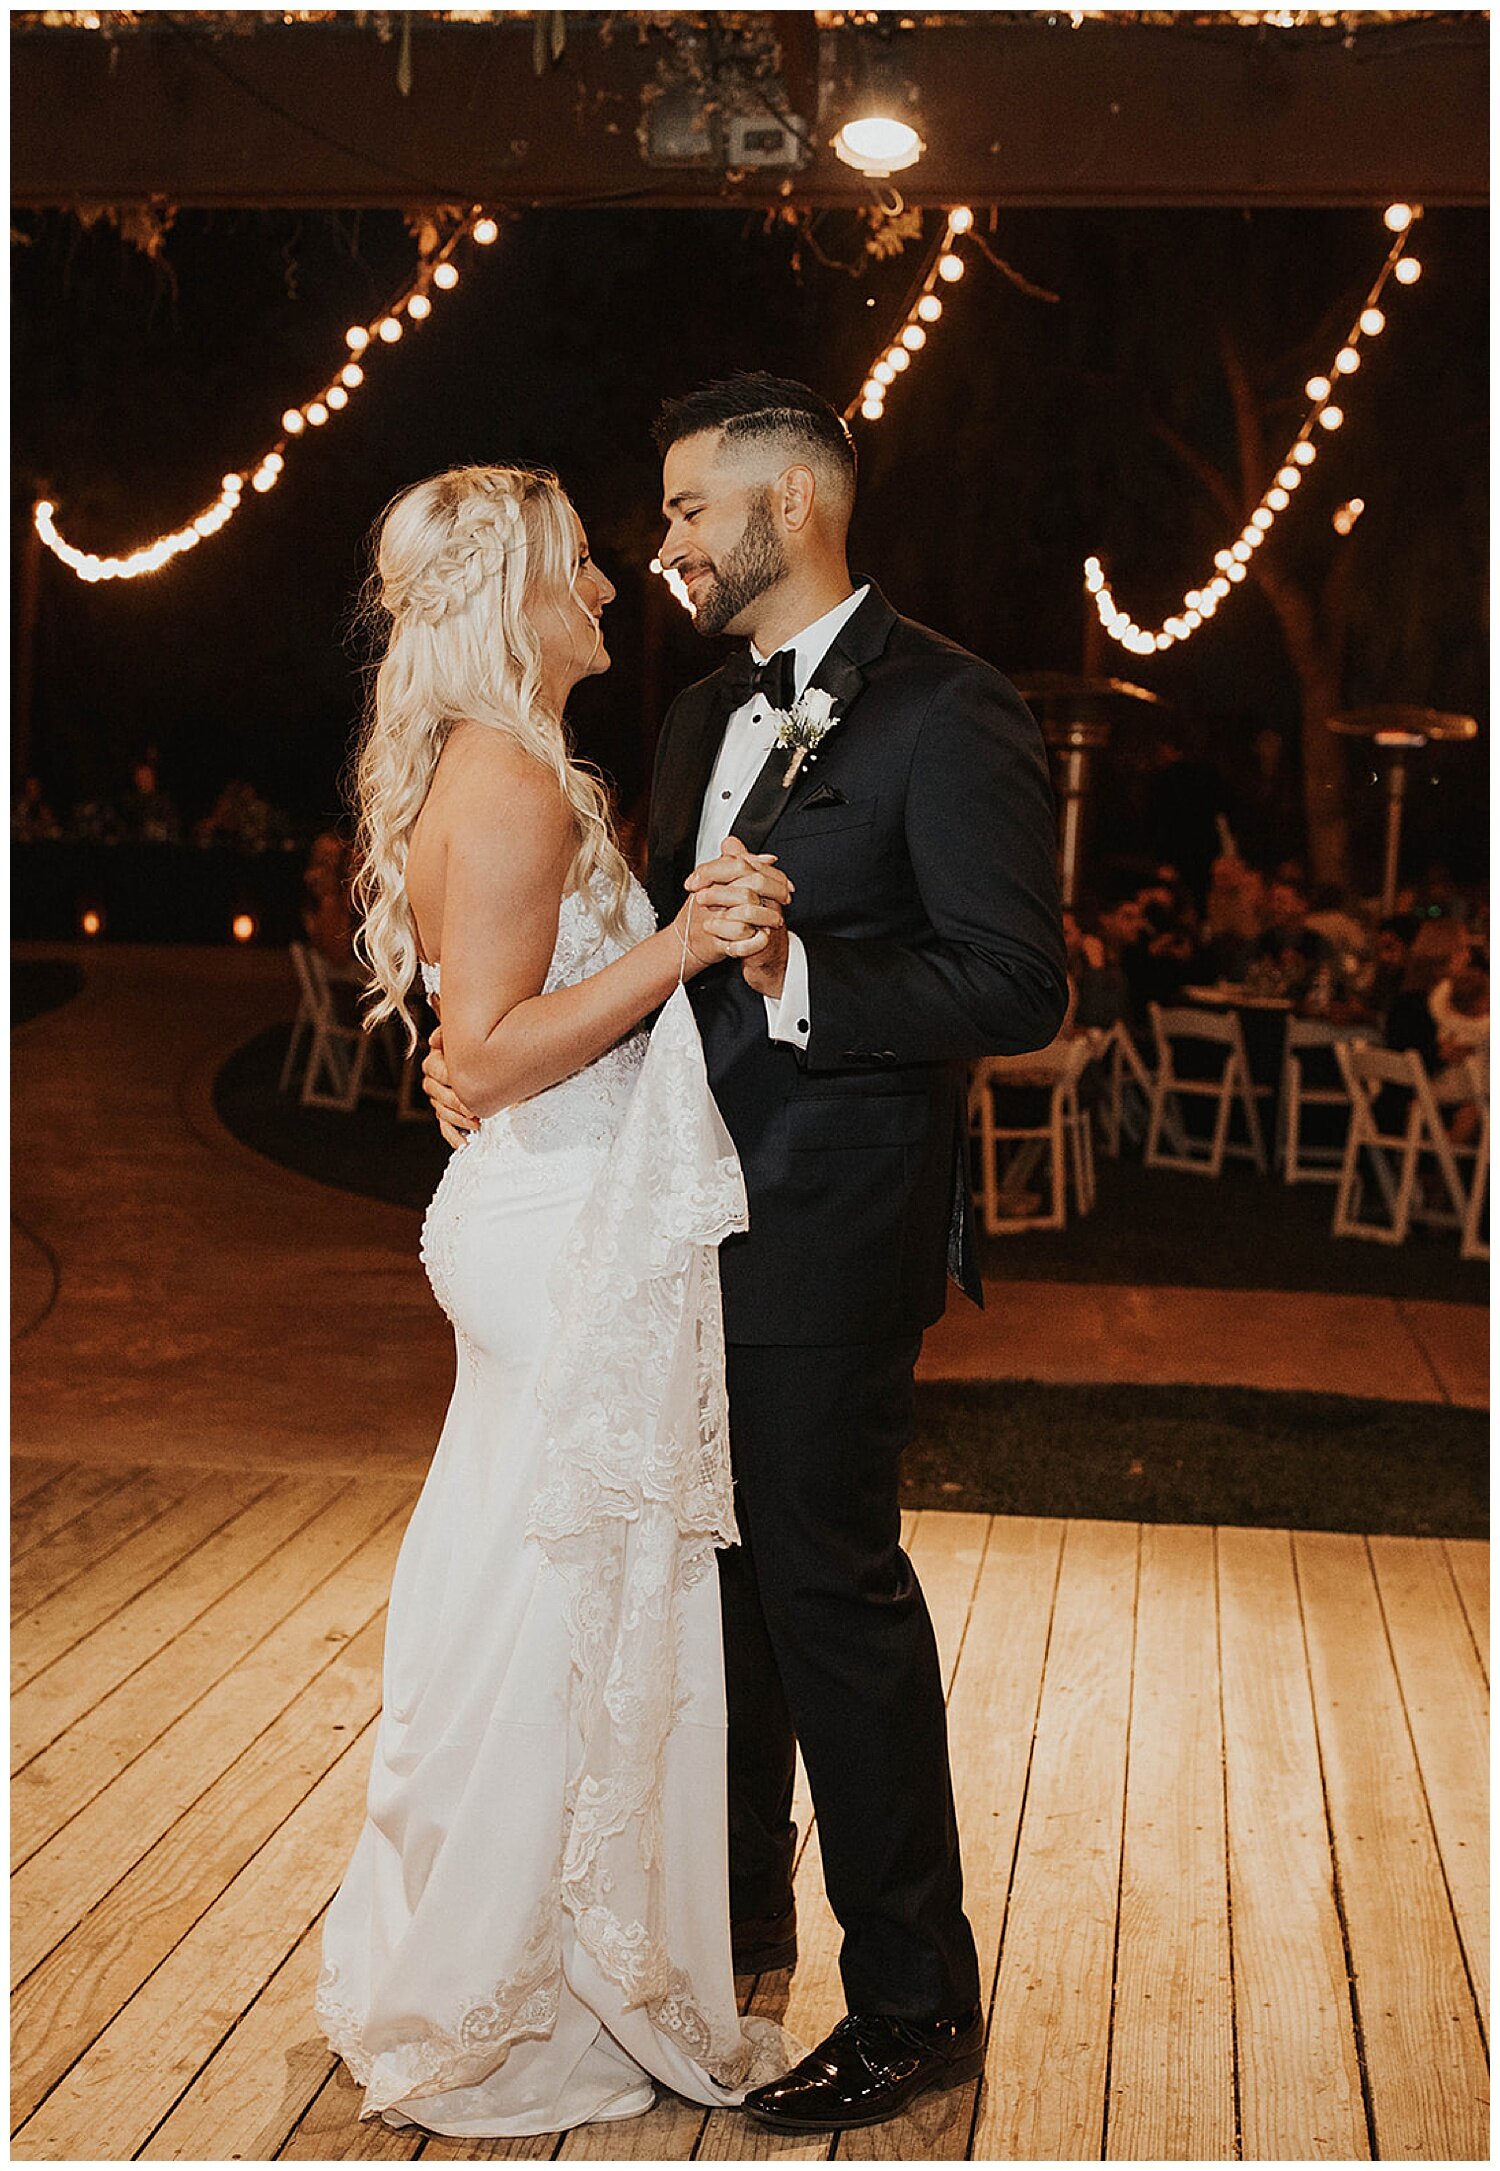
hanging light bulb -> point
(336, 396)
(485, 231)
(317, 414)
(445, 276)
(1331, 418)
(878, 144)
(883, 373)
(1408, 270)
(1398, 217)
(1288, 477)
(1346, 361)
(273, 462)
(1317, 388)
(872, 410)
(1304, 453)
(1261, 518)
(352, 374)
(293, 421)
(1278, 500)
(1372, 322)
(1347, 514)
(961, 220)
(356, 338)
(951, 267)
(914, 338)
(898, 358)
(389, 329)
(419, 307)
(929, 308)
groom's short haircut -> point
(753, 407)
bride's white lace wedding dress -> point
(535, 1925)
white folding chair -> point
(1298, 1161)
(334, 1075)
(1367, 1071)
(1472, 1245)
(1231, 1090)
(1124, 1072)
(304, 1020)
(1065, 1137)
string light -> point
(912, 335)
(1324, 413)
(332, 399)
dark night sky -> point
(1011, 450)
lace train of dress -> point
(534, 1925)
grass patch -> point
(1200, 1455)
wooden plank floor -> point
(1222, 1795)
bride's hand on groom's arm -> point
(454, 1120)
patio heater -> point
(1401, 730)
(1077, 716)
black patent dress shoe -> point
(870, 2069)
(768, 1943)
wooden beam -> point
(1019, 110)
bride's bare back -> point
(487, 796)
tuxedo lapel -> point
(841, 675)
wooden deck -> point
(1223, 1799)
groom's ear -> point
(799, 488)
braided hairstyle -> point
(463, 562)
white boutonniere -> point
(803, 728)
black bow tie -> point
(776, 678)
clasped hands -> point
(734, 911)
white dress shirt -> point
(749, 738)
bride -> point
(534, 1926)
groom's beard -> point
(756, 563)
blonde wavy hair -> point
(463, 564)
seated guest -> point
(1097, 940)
(1460, 1007)
(1439, 951)
(1332, 916)
(149, 815)
(1379, 982)
(242, 820)
(1298, 952)
(327, 914)
(31, 819)
(1164, 957)
(95, 821)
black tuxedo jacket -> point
(922, 841)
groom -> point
(923, 929)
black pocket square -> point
(824, 796)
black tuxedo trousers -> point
(922, 845)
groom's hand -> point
(454, 1120)
(743, 893)
(751, 883)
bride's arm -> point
(510, 844)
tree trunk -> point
(1315, 651)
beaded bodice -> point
(585, 1109)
